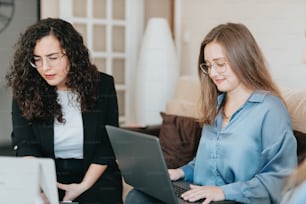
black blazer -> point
(37, 139)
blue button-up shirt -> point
(251, 155)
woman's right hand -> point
(175, 174)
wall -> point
(278, 26)
(49, 8)
(152, 8)
(26, 13)
(159, 8)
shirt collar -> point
(256, 97)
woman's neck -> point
(234, 100)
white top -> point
(68, 136)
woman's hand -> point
(175, 174)
(209, 193)
(72, 191)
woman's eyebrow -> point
(215, 59)
(223, 58)
(55, 53)
(48, 55)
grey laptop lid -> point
(142, 165)
(141, 162)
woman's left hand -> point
(72, 191)
(208, 193)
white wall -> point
(26, 13)
(278, 26)
(49, 8)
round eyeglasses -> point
(219, 65)
(52, 60)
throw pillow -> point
(179, 138)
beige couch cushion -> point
(186, 101)
(188, 88)
(182, 108)
(296, 103)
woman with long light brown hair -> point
(247, 146)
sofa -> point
(179, 122)
(186, 103)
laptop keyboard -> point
(178, 190)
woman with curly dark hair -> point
(61, 104)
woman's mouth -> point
(49, 76)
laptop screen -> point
(22, 179)
(141, 162)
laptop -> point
(23, 179)
(142, 165)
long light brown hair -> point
(295, 180)
(246, 60)
(299, 174)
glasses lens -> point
(204, 67)
(220, 66)
(52, 61)
(35, 62)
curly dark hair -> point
(36, 99)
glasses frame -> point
(207, 69)
(47, 61)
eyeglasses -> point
(219, 65)
(52, 60)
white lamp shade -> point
(157, 72)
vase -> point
(157, 72)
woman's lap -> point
(137, 197)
